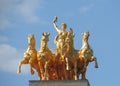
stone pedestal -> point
(59, 83)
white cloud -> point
(28, 9)
(86, 8)
(9, 59)
(6, 10)
(12, 11)
(4, 23)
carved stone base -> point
(59, 83)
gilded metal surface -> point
(66, 63)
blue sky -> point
(101, 18)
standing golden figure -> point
(60, 38)
(67, 63)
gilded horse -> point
(85, 56)
(30, 57)
(46, 59)
(70, 56)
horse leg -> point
(67, 68)
(83, 72)
(40, 63)
(39, 73)
(46, 71)
(96, 64)
(71, 74)
(31, 66)
(31, 69)
(24, 61)
(64, 74)
(75, 70)
(36, 66)
(95, 60)
(83, 76)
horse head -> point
(85, 55)
(31, 41)
(85, 36)
(44, 40)
(70, 38)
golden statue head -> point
(31, 40)
(44, 40)
(63, 26)
(45, 36)
(85, 35)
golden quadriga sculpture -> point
(66, 63)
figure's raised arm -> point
(54, 24)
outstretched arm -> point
(55, 26)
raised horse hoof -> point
(18, 71)
(32, 72)
(96, 66)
